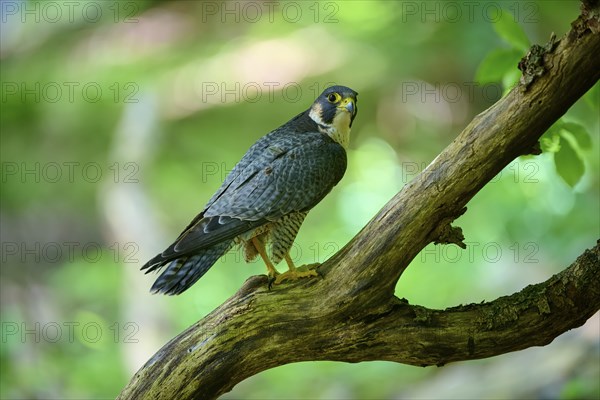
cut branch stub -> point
(533, 64)
(449, 234)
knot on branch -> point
(590, 17)
(532, 65)
(253, 284)
(447, 234)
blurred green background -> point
(120, 119)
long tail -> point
(183, 272)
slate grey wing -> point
(283, 173)
(242, 167)
(293, 173)
(187, 260)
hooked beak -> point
(348, 105)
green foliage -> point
(566, 140)
(569, 164)
(500, 65)
(580, 134)
(550, 143)
(511, 32)
(497, 65)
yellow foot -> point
(305, 271)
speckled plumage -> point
(267, 195)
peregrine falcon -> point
(265, 198)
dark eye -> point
(333, 97)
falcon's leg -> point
(260, 247)
(294, 273)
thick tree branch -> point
(352, 314)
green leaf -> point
(511, 32)
(496, 64)
(568, 164)
(510, 79)
(550, 143)
(555, 128)
(580, 134)
(550, 140)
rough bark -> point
(352, 314)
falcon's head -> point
(334, 111)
